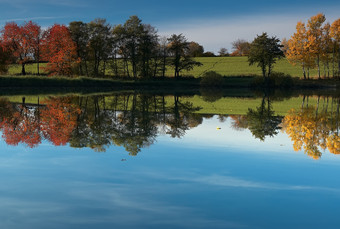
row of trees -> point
(315, 43)
(130, 120)
(131, 49)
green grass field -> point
(227, 66)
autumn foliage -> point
(310, 130)
(59, 50)
(58, 120)
(22, 41)
(315, 43)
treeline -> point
(315, 43)
(132, 49)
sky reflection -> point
(216, 179)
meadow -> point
(227, 66)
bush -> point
(212, 79)
(276, 80)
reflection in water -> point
(311, 128)
(133, 121)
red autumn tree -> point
(22, 41)
(59, 50)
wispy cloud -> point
(30, 19)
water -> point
(146, 161)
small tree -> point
(223, 52)
(265, 51)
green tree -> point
(100, 45)
(80, 35)
(265, 51)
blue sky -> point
(214, 23)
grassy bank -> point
(227, 66)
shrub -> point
(276, 80)
(212, 79)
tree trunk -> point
(304, 71)
(318, 63)
(23, 72)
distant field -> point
(238, 66)
(228, 66)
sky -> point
(214, 24)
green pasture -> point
(227, 66)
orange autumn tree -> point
(59, 119)
(298, 51)
(59, 50)
(314, 34)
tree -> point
(33, 35)
(265, 51)
(60, 50)
(178, 46)
(22, 40)
(335, 34)
(314, 34)
(5, 57)
(326, 46)
(195, 49)
(100, 45)
(223, 52)
(299, 50)
(80, 35)
(241, 47)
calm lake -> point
(130, 160)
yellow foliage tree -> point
(299, 49)
(314, 33)
(335, 34)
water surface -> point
(168, 161)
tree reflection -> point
(19, 123)
(312, 129)
(261, 121)
(132, 121)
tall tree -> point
(59, 50)
(335, 34)
(299, 50)
(178, 46)
(314, 34)
(80, 35)
(100, 45)
(265, 51)
(22, 40)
